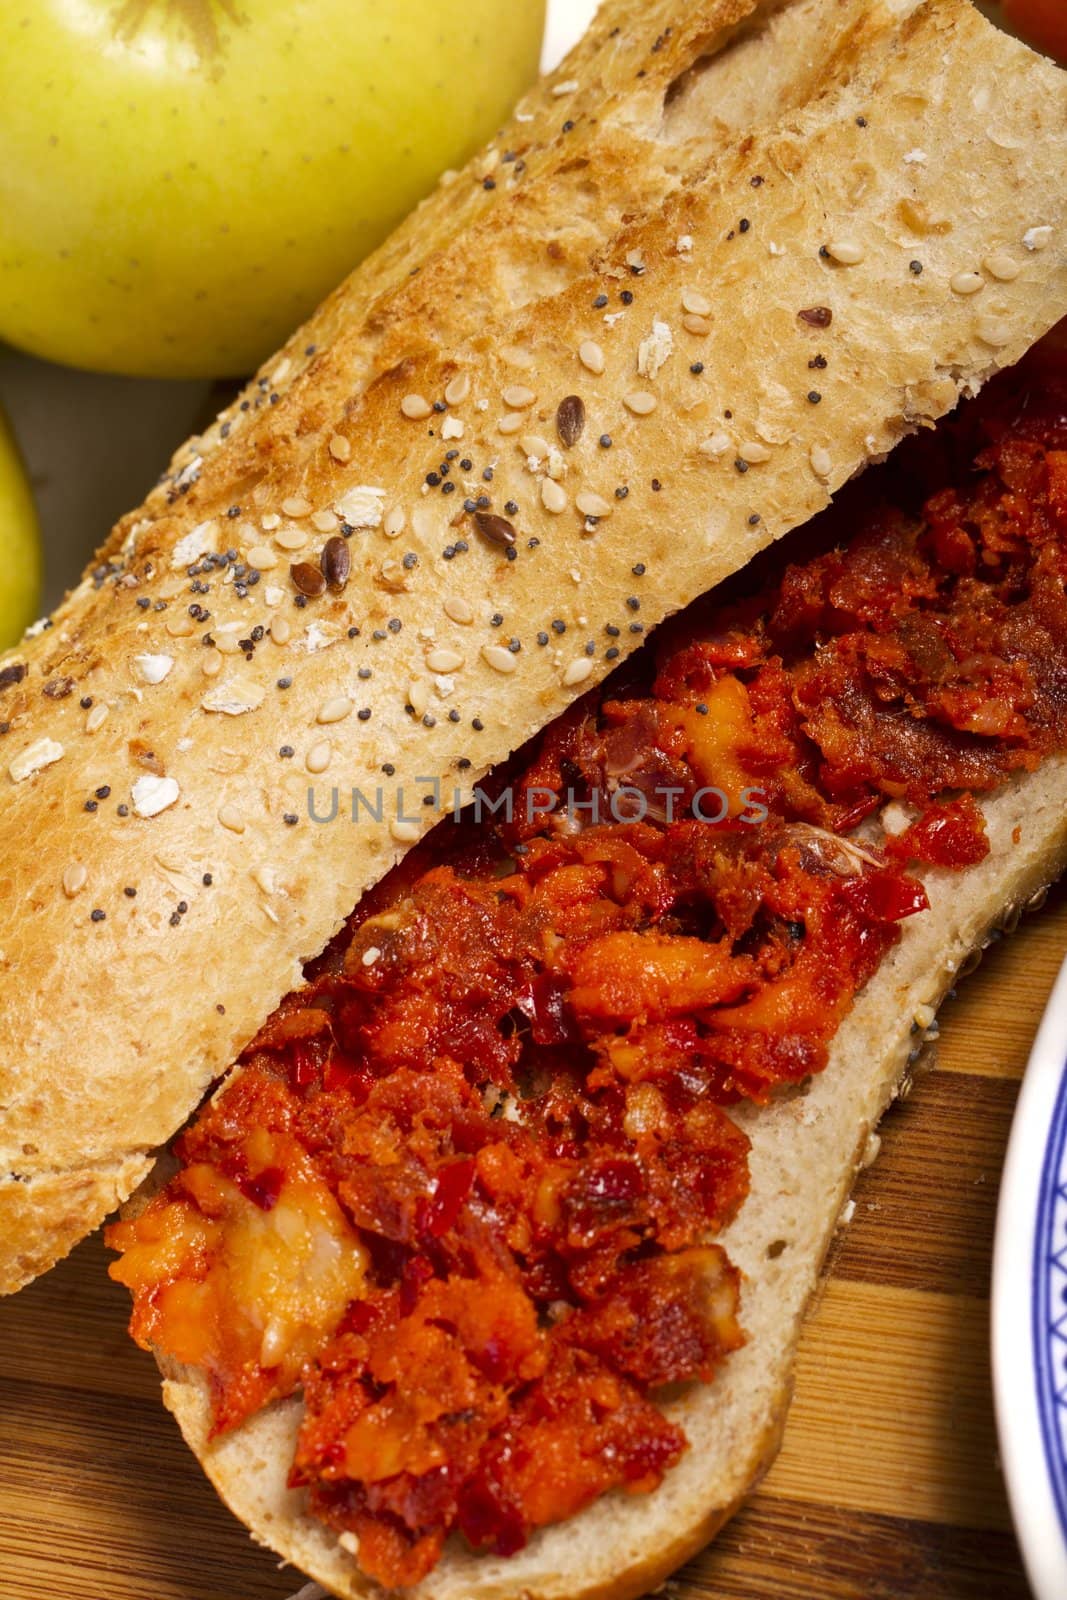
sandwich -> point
(547, 951)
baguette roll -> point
(663, 317)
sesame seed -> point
(966, 283)
(296, 506)
(334, 710)
(458, 390)
(415, 407)
(592, 505)
(340, 447)
(752, 452)
(993, 331)
(323, 521)
(591, 356)
(281, 630)
(510, 424)
(499, 658)
(517, 397)
(577, 672)
(846, 252)
(96, 718)
(1037, 238)
(821, 461)
(231, 818)
(640, 402)
(716, 445)
(290, 539)
(75, 877)
(1001, 266)
(458, 609)
(393, 524)
(444, 660)
(693, 300)
(698, 326)
(404, 832)
(553, 497)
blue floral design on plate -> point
(1050, 1303)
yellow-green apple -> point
(20, 549)
(182, 180)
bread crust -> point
(858, 120)
(806, 1152)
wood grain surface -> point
(887, 1487)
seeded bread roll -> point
(727, 255)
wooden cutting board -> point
(887, 1487)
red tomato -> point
(1042, 22)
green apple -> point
(182, 180)
(20, 546)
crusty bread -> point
(765, 159)
(806, 1151)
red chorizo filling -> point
(465, 1189)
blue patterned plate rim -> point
(1030, 1307)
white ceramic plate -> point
(1030, 1307)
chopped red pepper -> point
(505, 1088)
